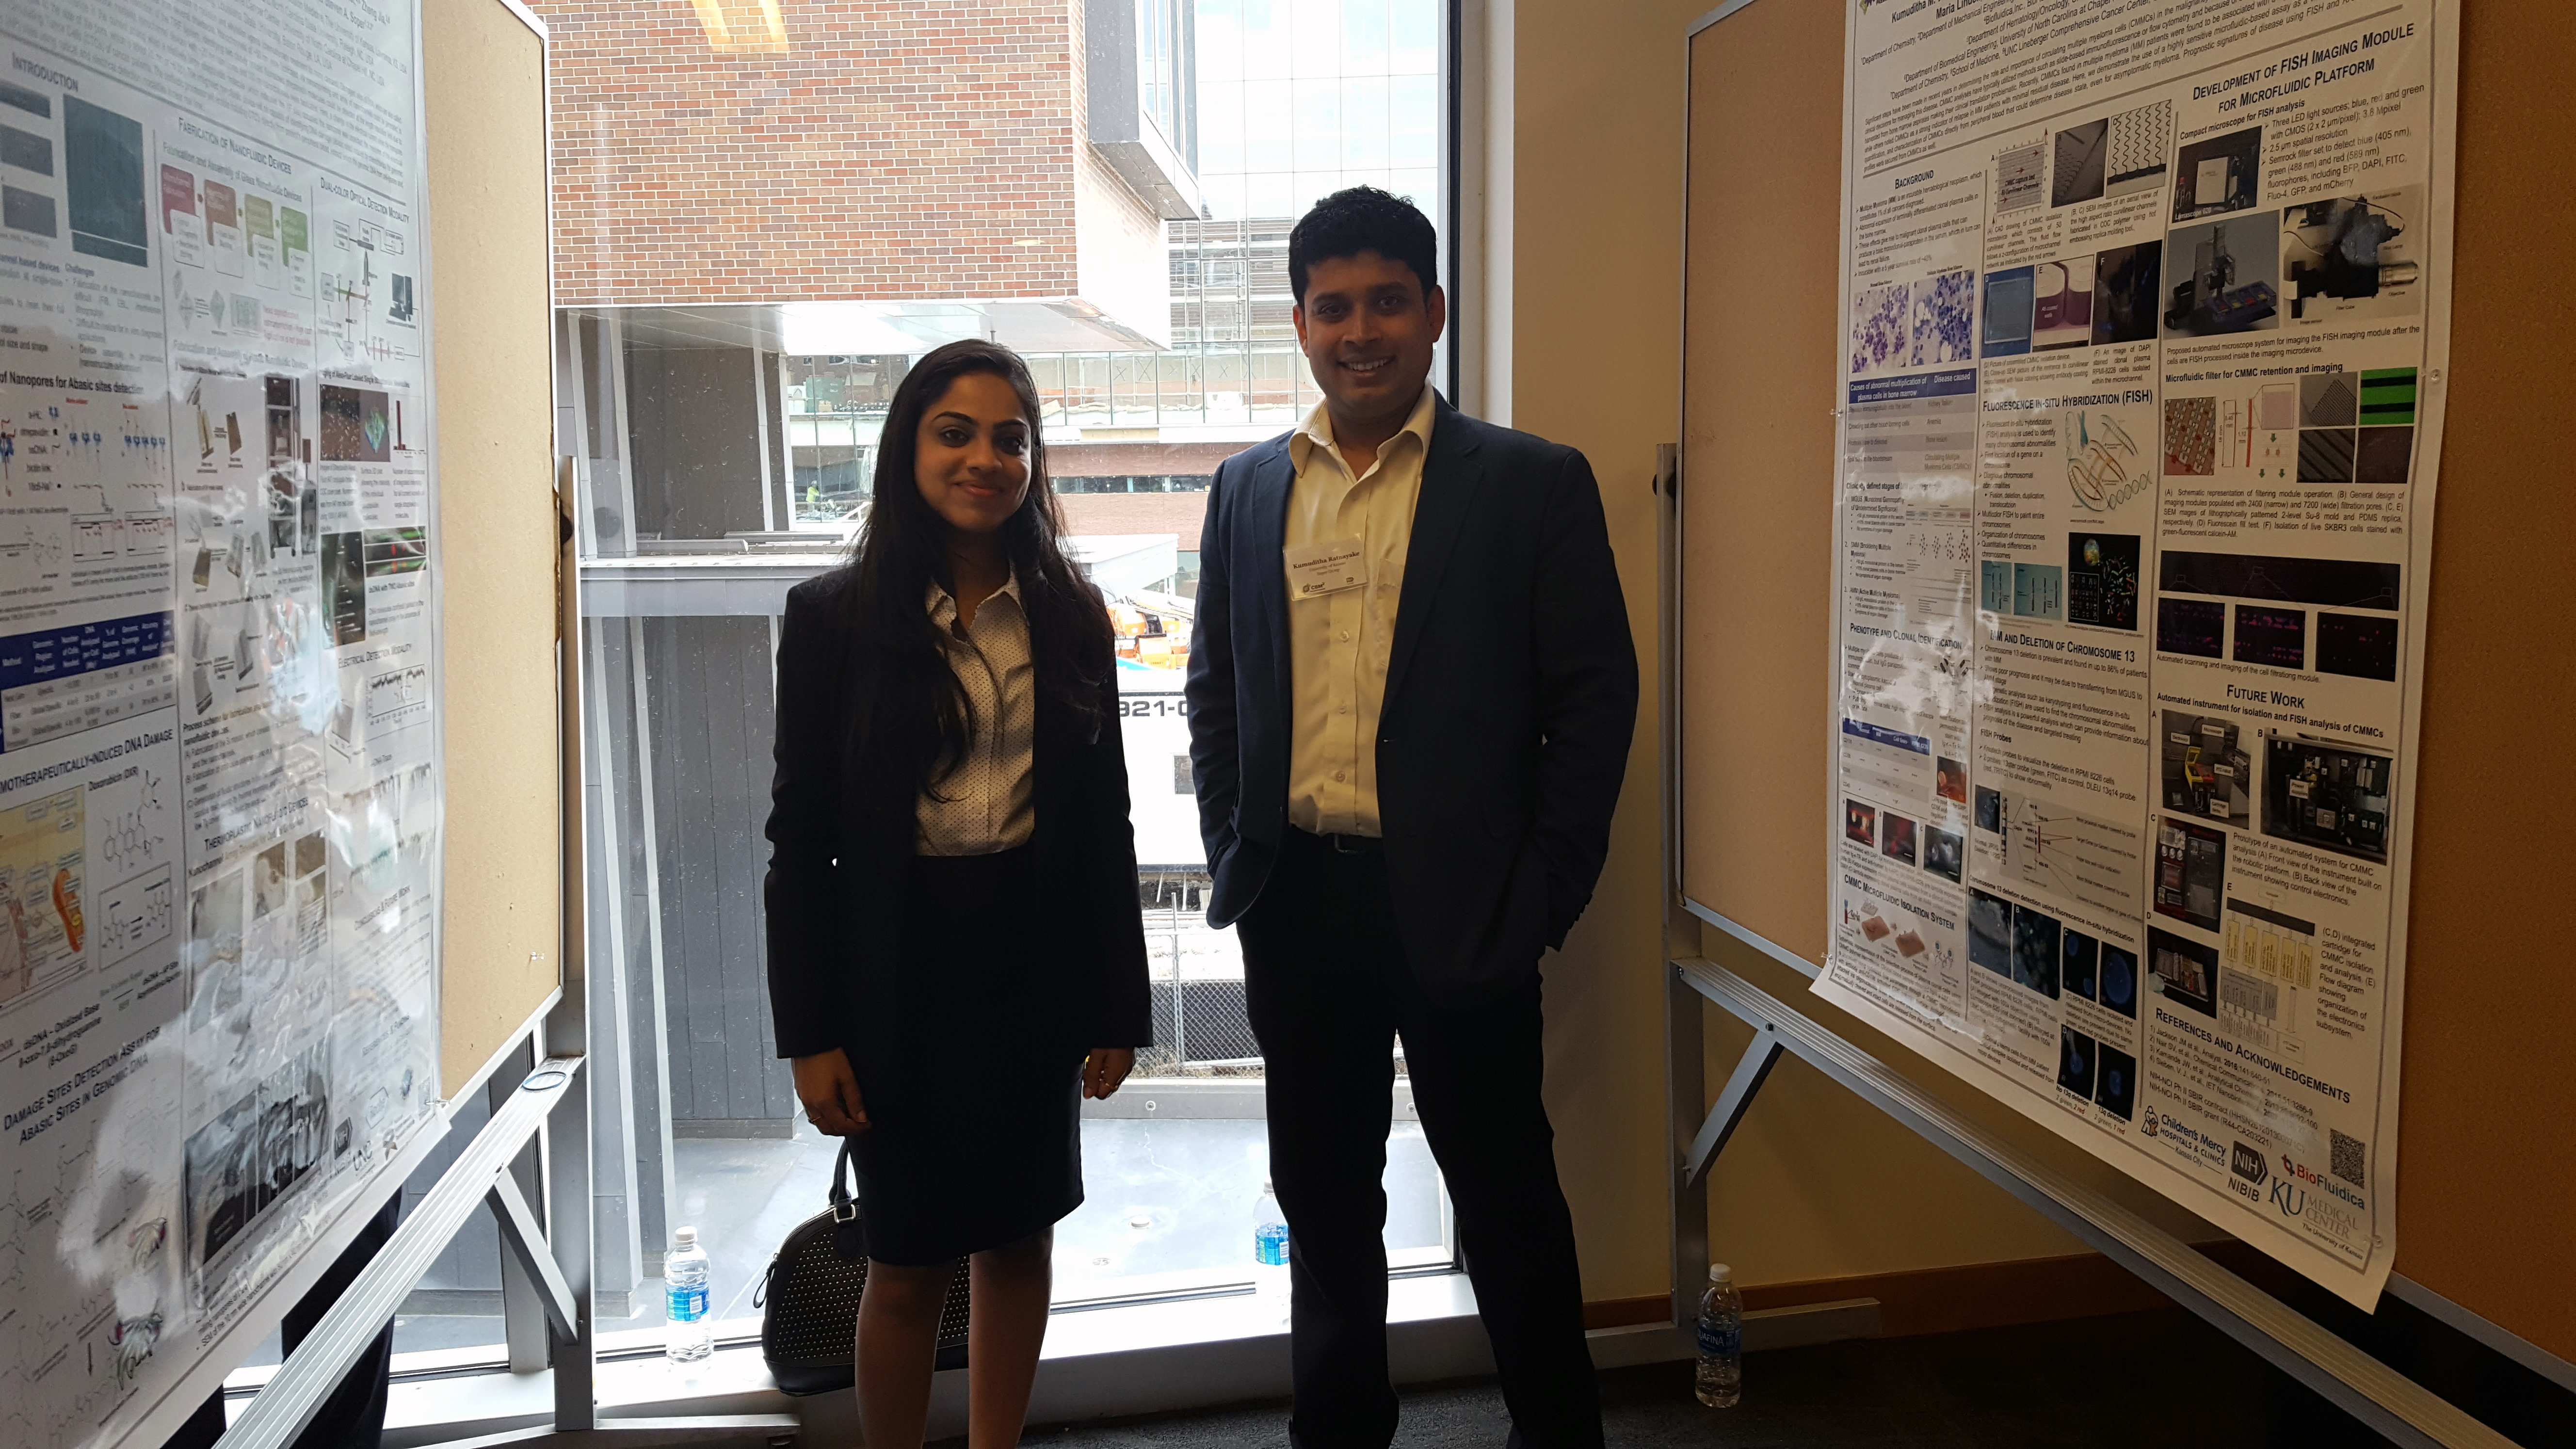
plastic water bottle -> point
(1720, 1382)
(1270, 1255)
(684, 1279)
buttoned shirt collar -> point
(1317, 431)
(943, 604)
(988, 802)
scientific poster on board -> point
(2142, 399)
(219, 761)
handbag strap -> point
(843, 1208)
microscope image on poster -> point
(2102, 580)
(2225, 277)
(2345, 258)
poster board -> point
(226, 709)
(501, 932)
(2477, 1230)
(2146, 332)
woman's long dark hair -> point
(909, 726)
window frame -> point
(771, 380)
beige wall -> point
(1816, 1184)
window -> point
(729, 339)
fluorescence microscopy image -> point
(2191, 436)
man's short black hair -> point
(1363, 219)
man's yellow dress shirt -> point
(1339, 642)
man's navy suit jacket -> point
(1511, 698)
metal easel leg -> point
(525, 1241)
(523, 1300)
(568, 1230)
(1686, 1077)
(1751, 1070)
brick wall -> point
(899, 149)
(1087, 514)
(1156, 459)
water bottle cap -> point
(1265, 1185)
(684, 1238)
(1720, 1273)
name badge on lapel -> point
(1317, 569)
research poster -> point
(219, 758)
(2143, 352)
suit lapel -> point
(1266, 530)
(1051, 753)
(1449, 475)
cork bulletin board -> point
(484, 77)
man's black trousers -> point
(1329, 992)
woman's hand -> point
(1102, 1071)
(830, 1092)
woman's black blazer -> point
(838, 871)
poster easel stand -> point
(547, 1115)
(2377, 1395)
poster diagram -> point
(219, 780)
(2120, 831)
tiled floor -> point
(2150, 1379)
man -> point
(1411, 696)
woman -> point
(955, 954)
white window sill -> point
(1098, 1362)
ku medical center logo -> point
(2290, 1189)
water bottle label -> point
(1719, 1340)
(1270, 1245)
(688, 1305)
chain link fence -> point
(1200, 1026)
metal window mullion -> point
(585, 515)
(658, 1017)
(786, 449)
(760, 416)
(613, 345)
(612, 1006)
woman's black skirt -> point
(974, 1100)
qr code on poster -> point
(2347, 1159)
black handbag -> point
(809, 1299)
